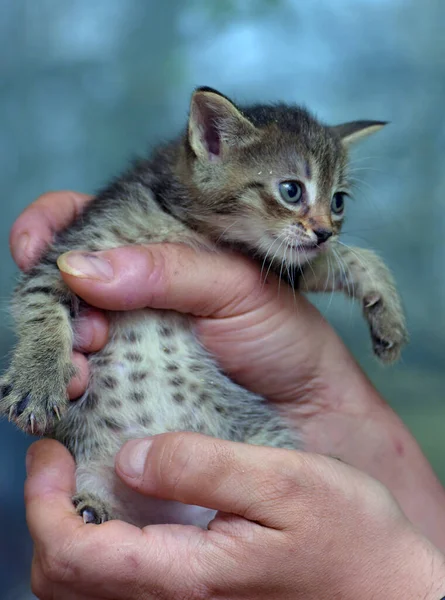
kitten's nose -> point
(322, 235)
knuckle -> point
(286, 477)
(171, 261)
(154, 263)
(248, 288)
(44, 198)
(192, 460)
(174, 461)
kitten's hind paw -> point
(91, 508)
(387, 325)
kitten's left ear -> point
(355, 130)
(216, 125)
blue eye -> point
(338, 203)
(291, 191)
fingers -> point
(169, 276)
(35, 227)
(90, 335)
(249, 481)
(79, 382)
(114, 559)
(48, 490)
(90, 331)
(65, 546)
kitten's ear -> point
(355, 130)
(215, 125)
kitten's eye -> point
(291, 191)
(338, 203)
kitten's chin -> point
(302, 254)
(295, 254)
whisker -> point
(273, 257)
(333, 284)
(283, 260)
(290, 273)
(356, 169)
(300, 268)
(220, 237)
(354, 161)
(361, 262)
(263, 265)
(343, 272)
(328, 275)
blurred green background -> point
(85, 85)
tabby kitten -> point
(270, 181)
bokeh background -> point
(85, 85)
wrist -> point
(422, 576)
(407, 567)
(345, 417)
(382, 447)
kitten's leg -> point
(362, 275)
(33, 391)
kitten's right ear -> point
(356, 130)
(216, 125)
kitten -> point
(269, 181)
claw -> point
(385, 344)
(11, 413)
(372, 300)
(89, 516)
(32, 421)
(56, 412)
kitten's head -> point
(269, 178)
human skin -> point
(292, 525)
(315, 381)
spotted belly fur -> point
(153, 376)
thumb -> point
(168, 276)
(249, 481)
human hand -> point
(267, 338)
(292, 525)
(303, 365)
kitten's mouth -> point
(298, 251)
(304, 245)
(300, 245)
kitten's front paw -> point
(387, 325)
(91, 508)
(35, 401)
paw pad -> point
(5, 390)
(21, 406)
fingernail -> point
(28, 461)
(132, 457)
(86, 266)
(22, 245)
